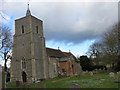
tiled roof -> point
(59, 54)
(55, 53)
(68, 53)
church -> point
(31, 60)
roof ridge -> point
(53, 48)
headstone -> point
(112, 75)
(86, 71)
(118, 76)
(18, 83)
(91, 73)
(118, 73)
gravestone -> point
(118, 76)
(112, 75)
(91, 73)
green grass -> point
(95, 81)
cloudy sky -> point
(72, 25)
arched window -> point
(36, 29)
(23, 63)
(72, 66)
(22, 29)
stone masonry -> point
(29, 61)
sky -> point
(70, 25)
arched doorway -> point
(72, 69)
(8, 77)
(24, 76)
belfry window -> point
(36, 29)
(22, 29)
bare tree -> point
(106, 51)
(110, 41)
(5, 43)
(95, 52)
(0, 38)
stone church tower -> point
(29, 62)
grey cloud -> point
(70, 22)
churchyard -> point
(32, 63)
(86, 80)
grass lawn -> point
(95, 81)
